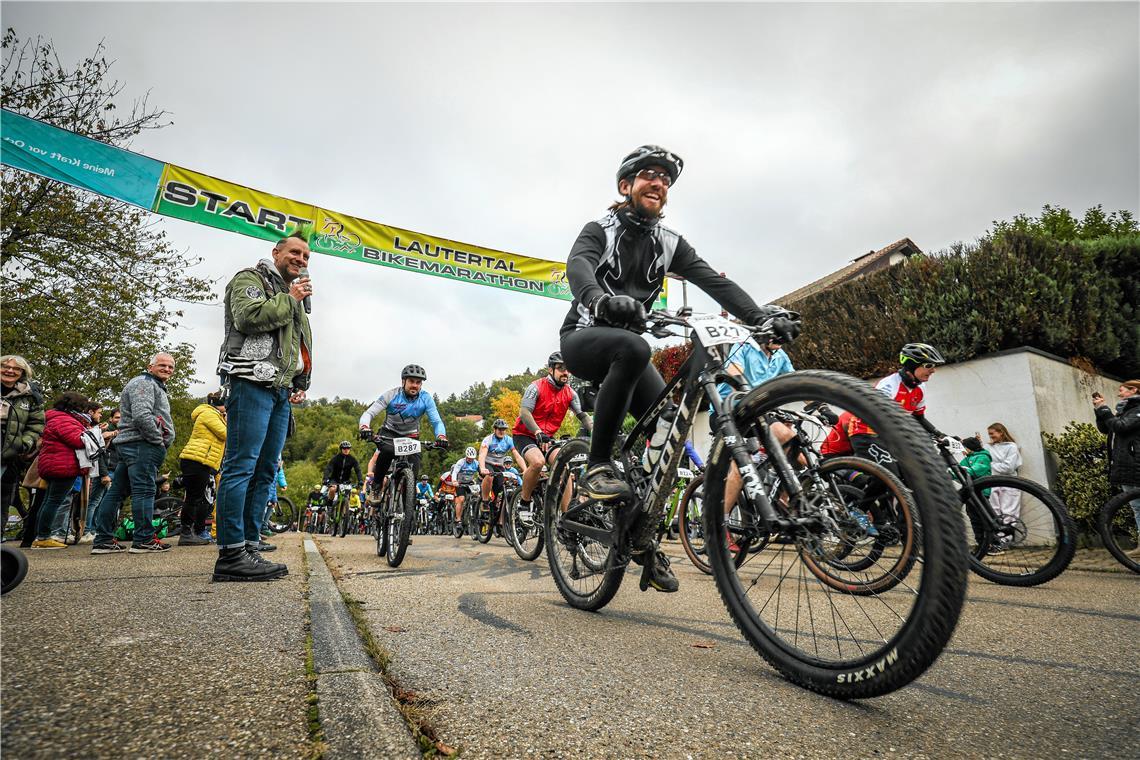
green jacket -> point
(24, 420)
(267, 331)
(979, 463)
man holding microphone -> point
(265, 363)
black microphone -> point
(307, 303)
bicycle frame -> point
(697, 382)
(979, 509)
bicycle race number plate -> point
(713, 329)
(405, 446)
(684, 473)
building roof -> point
(857, 268)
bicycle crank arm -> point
(602, 535)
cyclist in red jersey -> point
(544, 406)
(838, 441)
(917, 363)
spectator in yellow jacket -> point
(201, 458)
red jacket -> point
(61, 438)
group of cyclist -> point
(616, 270)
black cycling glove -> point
(620, 311)
(542, 437)
(783, 324)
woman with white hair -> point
(22, 417)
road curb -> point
(357, 713)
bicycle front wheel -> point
(400, 519)
(1035, 538)
(525, 527)
(828, 640)
(1118, 524)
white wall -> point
(1025, 391)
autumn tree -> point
(90, 285)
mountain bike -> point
(395, 511)
(1118, 526)
(524, 526)
(832, 641)
(1028, 548)
(487, 515)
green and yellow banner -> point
(170, 190)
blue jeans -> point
(257, 419)
(97, 492)
(57, 495)
(135, 474)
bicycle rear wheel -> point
(1033, 545)
(829, 641)
(400, 518)
(282, 515)
(1117, 524)
(586, 572)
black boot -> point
(255, 554)
(236, 565)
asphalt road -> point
(502, 667)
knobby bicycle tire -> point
(400, 528)
(870, 666)
(13, 568)
(534, 531)
(1116, 523)
(1059, 556)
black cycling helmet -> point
(920, 353)
(554, 358)
(650, 155)
(413, 370)
(345, 445)
(499, 423)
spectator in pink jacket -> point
(58, 462)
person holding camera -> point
(1123, 431)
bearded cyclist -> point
(544, 406)
(616, 269)
(404, 406)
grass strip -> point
(412, 707)
(317, 744)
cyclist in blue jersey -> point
(464, 473)
(423, 489)
(493, 457)
(403, 407)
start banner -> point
(170, 190)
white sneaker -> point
(88, 538)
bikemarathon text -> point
(446, 270)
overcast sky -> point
(811, 134)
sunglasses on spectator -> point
(651, 174)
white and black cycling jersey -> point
(613, 256)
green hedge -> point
(1082, 471)
(1075, 298)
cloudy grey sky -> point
(811, 134)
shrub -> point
(1073, 298)
(1082, 471)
